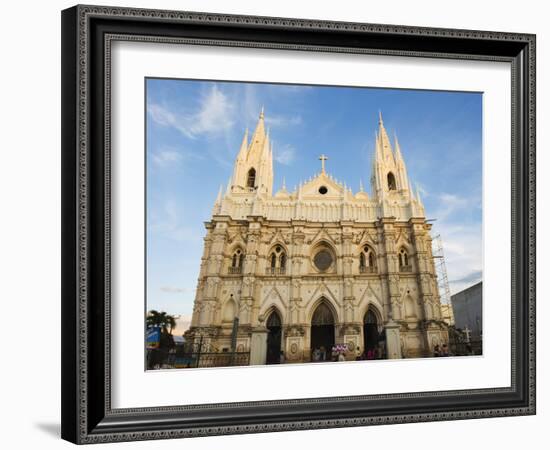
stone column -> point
(393, 341)
(258, 346)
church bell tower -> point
(389, 174)
(253, 171)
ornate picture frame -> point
(87, 35)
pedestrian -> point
(316, 355)
(282, 357)
(437, 352)
(341, 357)
(444, 350)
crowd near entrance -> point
(373, 340)
(322, 333)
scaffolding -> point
(442, 278)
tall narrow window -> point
(251, 181)
(391, 182)
(367, 262)
(237, 262)
(283, 262)
(404, 260)
(273, 261)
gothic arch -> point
(409, 305)
(270, 304)
(323, 243)
(366, 256)
(377, 310)
(281, 257)
(238, 243)
(375, 301)
(332, 257)
(229, 310)
(236, 257)
(273, 308)
(313, 307)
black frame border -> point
(87, 31)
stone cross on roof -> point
(323, 158)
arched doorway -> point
(322, 333)
(273, 338)
(370, 331)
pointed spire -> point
(377, 149)
(284, 184)
(361, 185)
(228, 189)
(380, 121)
(244, 147)
(259, 133)
(219, 197)
(418, 194)
(384, 142)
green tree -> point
(161, 319)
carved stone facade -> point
(366, 261)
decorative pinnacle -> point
(323, 158)
(360, 185)
(262, 113)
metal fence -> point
(461, 348)
(179, 359)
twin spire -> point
(253, 171)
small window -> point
(391, 182)
(403, 258)
(323, 190)
(251, 181)
(238, 259)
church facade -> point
(301, 272)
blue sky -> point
(194, 130)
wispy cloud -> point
(462, 246)
(450, 204)
(213, 115)
(167, 222)
(174, 289)
(284, 155)
(252, 104)
(164, 158)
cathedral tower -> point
(389, 173)
(253, 171)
